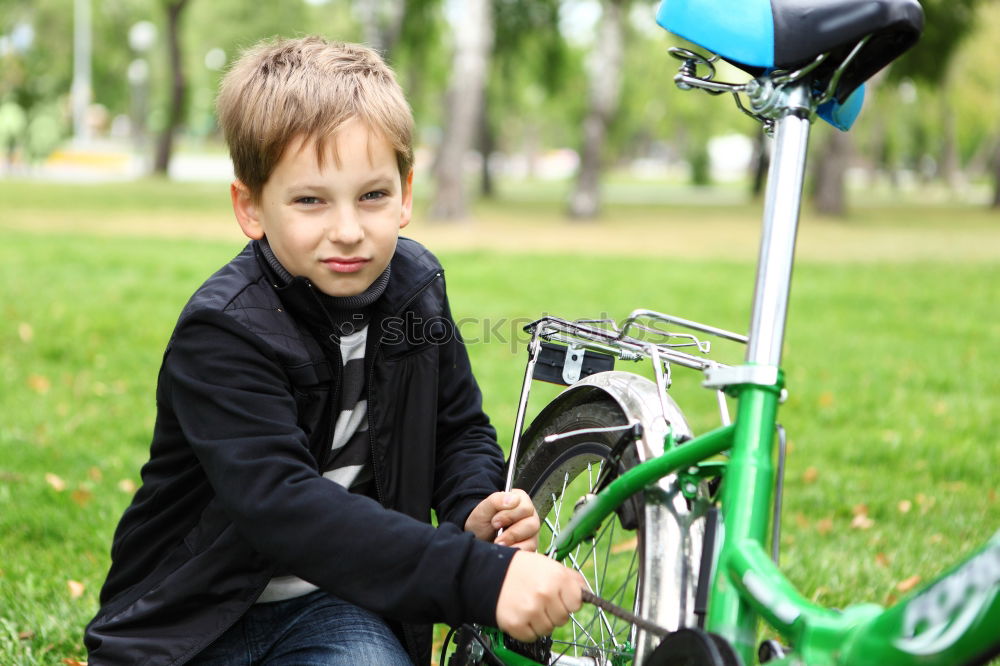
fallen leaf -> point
(69, 661)
(955, 486)
(76, 589)
(992, 495)
(904, 506)
(826, 399)
(25, 635)
(940, 407)
(25, 332)
(881, 559)
(862, 522)
(801, 520)
(81, 496)
(95, 473)
(810, 475)
(905, 586)
(859, 510)
(824, 526)
(935, 539)
(57, 483)
(39, 384)
(126, 486)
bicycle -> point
(614, 454)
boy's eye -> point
(307, 200)
(373, 196)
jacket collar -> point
(412, 268)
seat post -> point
(781, 218)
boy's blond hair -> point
(308, 87)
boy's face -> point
(336, 225)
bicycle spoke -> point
(615, 597)
(577, 623)
(592, 631)
(599, 613)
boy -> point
(315, 404)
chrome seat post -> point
(780, 225)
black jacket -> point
(232, 493)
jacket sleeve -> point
(236, 409)
(469, 464)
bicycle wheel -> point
(616, 562)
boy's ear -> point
(247, 212)
(407, 212)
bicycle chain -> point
(619, 612)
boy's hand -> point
(511, 511)
(537, 595)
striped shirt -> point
(350, 465)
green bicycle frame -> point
(952, 620)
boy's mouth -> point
(345, 264)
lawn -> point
(892, 352)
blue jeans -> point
(312, 630)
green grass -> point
(891, 371)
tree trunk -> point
(382, 23)
(603, 97)
(473, 44)
(178, 88)
(487, 144)
(829, 173)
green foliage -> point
(972, 90)
(527, 37)
(946, 24)
(420, 61)
(44, 70)
(37, 79)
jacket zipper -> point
(406, 627)
(368, 415)
(323, 459)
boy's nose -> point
(345, 229)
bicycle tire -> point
(556, 475)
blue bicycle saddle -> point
(761, 35)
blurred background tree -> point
(561, 91)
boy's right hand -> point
(537, 595)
